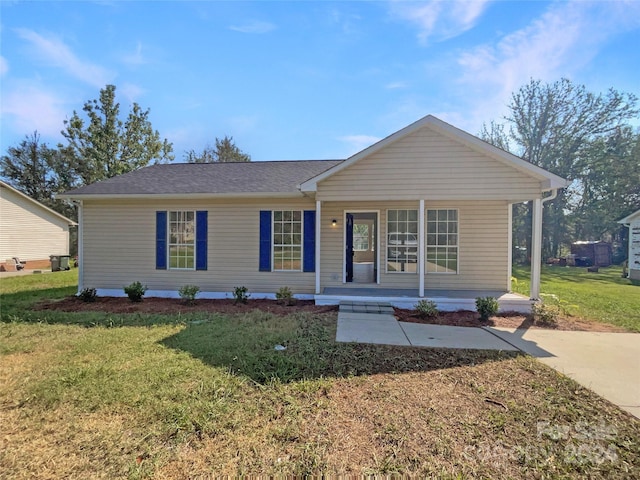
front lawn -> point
(96, 395)
(604, 296)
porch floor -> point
(411, 292)
(446, 300)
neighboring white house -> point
(633, 222)
(425, 212)
(29, 230)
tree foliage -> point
(103, 145)
(98, 147)
(560, 127)
(225, 150)
(38, 171)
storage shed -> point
(633, 222)
(592, 253)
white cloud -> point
(135, 58)
(358, 142)
(395, 85)
(131, 92)
(558, 44)
(253, 26)
(441, 19)
(55, 52)
(4, 66)
(30, 107)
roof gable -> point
(548, 180)
(630, 218)
(45, 210)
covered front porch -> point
(446, 300)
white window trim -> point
(273, 244)
(195, 236)
(386, 249)
(426, 244)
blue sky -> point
(301, 80)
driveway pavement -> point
(606, 363)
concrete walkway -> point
(606, 363)
(373, 322)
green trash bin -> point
(64, 262)
(55, 262)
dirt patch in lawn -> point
(467, 318)
(170, 306)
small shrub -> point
(487, 307)
(426, 308)
(188, 293)
(240, 295)
(88, 295)
(284, 296)
(135, 291)
(545, 314)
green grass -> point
(604, 296)
(95, 395)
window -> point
(182, 230)
(361, 237)
(402, 241)
(287, 240)
(442, 241)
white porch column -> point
(318, 230)
(421, 242)
(509, 246)
(536, 248)
(80, 238)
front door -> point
(361, 238)
(349, 247)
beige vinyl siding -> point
(29, 231)
(428, 165)
(483, 245)
(119, 246)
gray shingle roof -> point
(210, 178)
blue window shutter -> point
(309, 241)
(161, 240)
(265, 240)
(201, 239)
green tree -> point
(39, 172)
(609, 179)
(225, 150)
(550, 125)
(104, 146)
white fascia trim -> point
(181, 196)
(119, 292)
(37, 203)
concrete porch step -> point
(352, 306)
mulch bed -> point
(168, 306)
(467, 318)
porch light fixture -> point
(334, 222)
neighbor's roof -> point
(630, 218)
(208, 179)
(38, 204)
